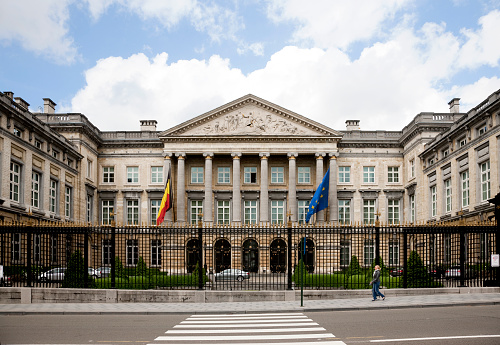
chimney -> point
(9, 94)
(454, 105)
(22, 103)
(352, 125)
(49, 107)
(148, 125)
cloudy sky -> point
(379, 61)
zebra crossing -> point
(248, 329)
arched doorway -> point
(222, 255)
(278, 258)
(309, 256)
(250, 256)
(192, 254)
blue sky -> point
(120, 61)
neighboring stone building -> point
(247, 162)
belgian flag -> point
(166, 201)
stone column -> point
(236, 187)
(181, 186)
(167, 165)
(332, 192)
(264, 187)
(208, 204)
(292, 186)
(320, 216)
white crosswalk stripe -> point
(248, 329)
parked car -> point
(104, 272)
(454, 273)
(436, 271)
(94, 274)
(232, 274)
(55, 274)
(397, 272)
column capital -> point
(167, 154)
(236, 155)
(264, 155)
(208, 155)
(320, 155)
(180, 155)
(292, 155)
(333, 155)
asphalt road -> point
(445, 325)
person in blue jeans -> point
(375, 283)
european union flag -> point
(320, 199)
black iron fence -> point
(248, 258)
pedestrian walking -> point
(375, 283)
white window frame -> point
(107, 208)
(90, 168)
(369, 211)
(132, 252)
(344, 206)
(223, 212)
(344, 174)
(393, 174)
(156, 253)
(68, 201)
(482, 129)
(90, 200)
(484, 169)
(154, 208)
(393, 211)
(412, 168)
(394, 252)
(15, 181)
(304, 175)
(132, 211)
(345, 253)
(157, 175)
(249, 174)
(133, 174)
(195, 208)
(250, 212)
(53, 196)
(303, 208)
(108, 174)
(433, 193)
(464, 182)
(448, 195)
(197, 175)
(277, 175)
(368, 252)
(223, 175)
(412, 208)
(277, 211)
(369, 175)
(36, 180)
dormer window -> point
(18, 132)
(38, 144)
(482, 129)
(431, 161)
(55, 154)
(462, 142)
(445, 153)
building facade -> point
(248, 162)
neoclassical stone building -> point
(247, 162)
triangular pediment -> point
(250, 116)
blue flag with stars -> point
(320, 199)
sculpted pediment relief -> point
(249, 121)
(250, 116)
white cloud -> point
(335, 23)
(40, 27)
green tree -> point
(75, 274)
(354, 266)
(417, 273)
(119, 270)
(141, 268)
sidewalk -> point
(417, 301)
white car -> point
(55, 274)
(232, 274)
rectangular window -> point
(484, 246)
(345, 253)
(16, 247)
(482, 129)
(393, 208)
(68, 191)
(224, 175)
(250, 174)
(15, 181)
(156, 253)
(38, 144)
(462, 142)
(133, 212)
(368, 252)
(53, 196)
(196, 174)
(464, 178)
(304, 175)
(447, 192)
(156, 174)
(196, 210)
(431, 161)
(90, 202)
(345, 212)
(445, 153)
(368, 211)
(155, 208)
(412, 168)
(433, 201)
(250, 215)
(393, 174)
(106, 252)
(393, 253)
(132, 252)
(107, 211)
(412, 208)
(108, 174)
(277, 211)
(303, 208)
(37, 248)
(485, 181)
(35, 189)
(344, 174)
(277, 175)
(89, 168)
(223, 212)
(368, 174)
(132, 174)
(55, 154)
(18, 132)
